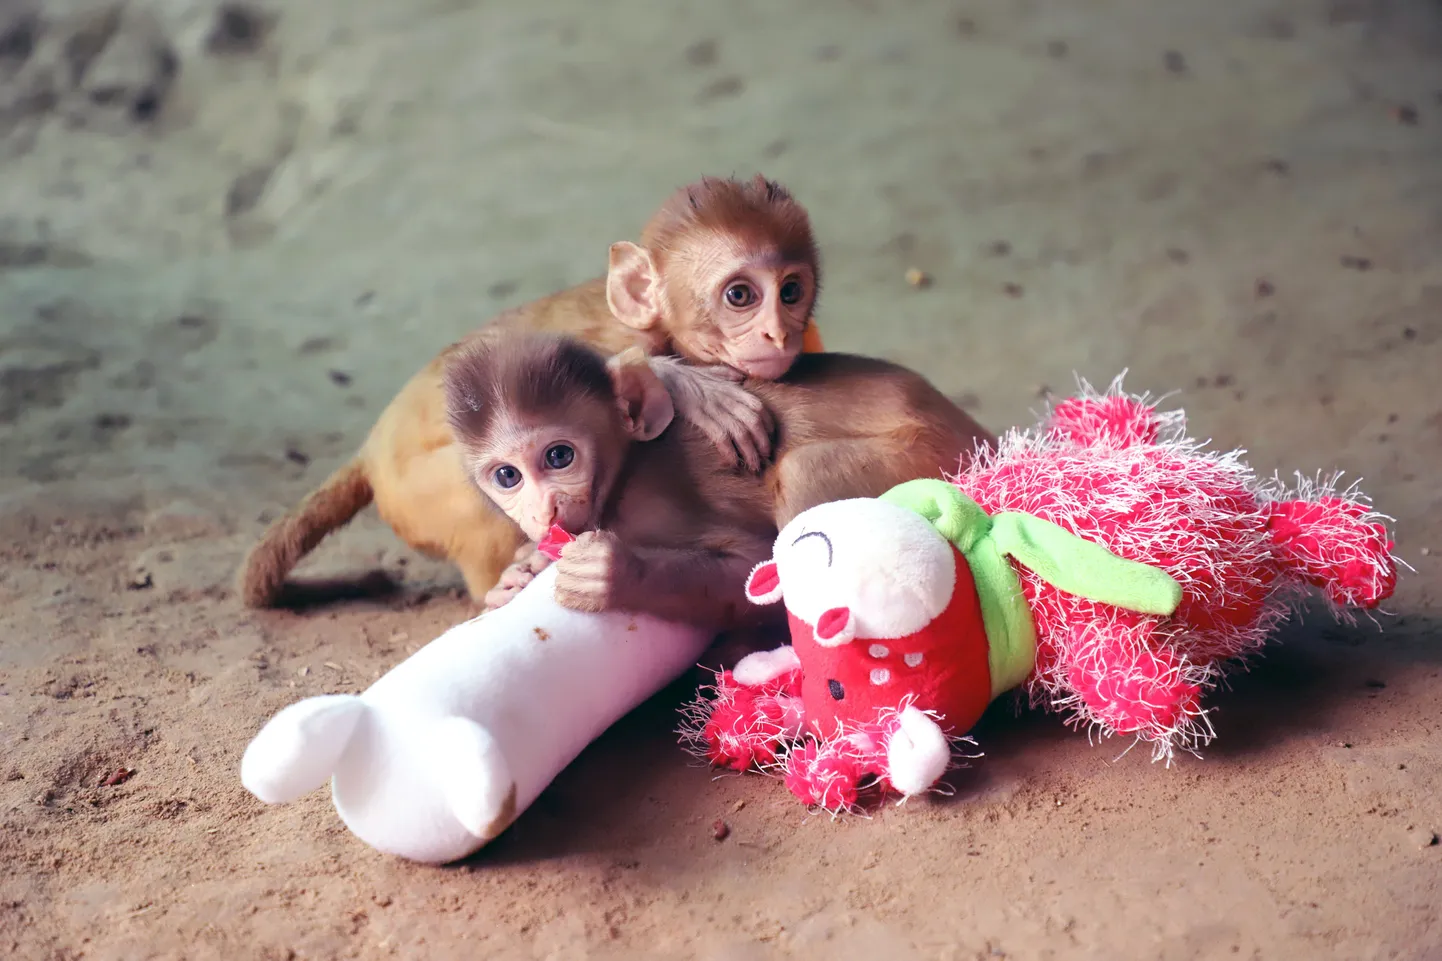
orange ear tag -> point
(811, 339)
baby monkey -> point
(553, 433)
(726, 275)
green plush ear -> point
(956, 517)
(1010, 631)
(1083, 567)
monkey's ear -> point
(633, 286)
(646, 407)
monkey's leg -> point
(433, 507)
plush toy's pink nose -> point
(834, 626)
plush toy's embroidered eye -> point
(837, 691)
(824, 539)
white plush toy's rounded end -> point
(479, 788)
(297, 751)
(917, 754)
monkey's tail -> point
(341, 497)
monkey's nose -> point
(775, 332)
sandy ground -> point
(223, 248)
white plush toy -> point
(440, 755)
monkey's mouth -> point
(767, 368)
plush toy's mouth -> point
(837, 691)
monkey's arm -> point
(598, 573)
(712, 398)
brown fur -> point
(409, 463)
(759, 213)
(848, 427)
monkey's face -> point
(541, 475)
(751, 315)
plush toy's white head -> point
(858, 568)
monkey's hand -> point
(596, 572)
(712, 398)
(528, 563)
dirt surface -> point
(228, 235)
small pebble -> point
(1405, 114)
(1355, 263)
(1265, 288)
(1012, 289)
(719, 830)
(737, 806)
(918, 278)
(1426, 552)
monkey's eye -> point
(506, 477)
(560, 456)
(740, 295)
(791, 292)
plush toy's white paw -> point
(473, 773)
(918, 753)
(761, 666)
(297, 751)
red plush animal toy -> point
(1103, 562)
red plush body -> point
(943, 667)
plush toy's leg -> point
(1115, 420)
(828, 774)
(472, 771)
(917, 753)
(741, 726)
(298, 750)
(1332, 544)
(1127, 686)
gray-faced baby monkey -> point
(554, 433)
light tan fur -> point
(410, 466)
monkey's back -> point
(852, 426)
